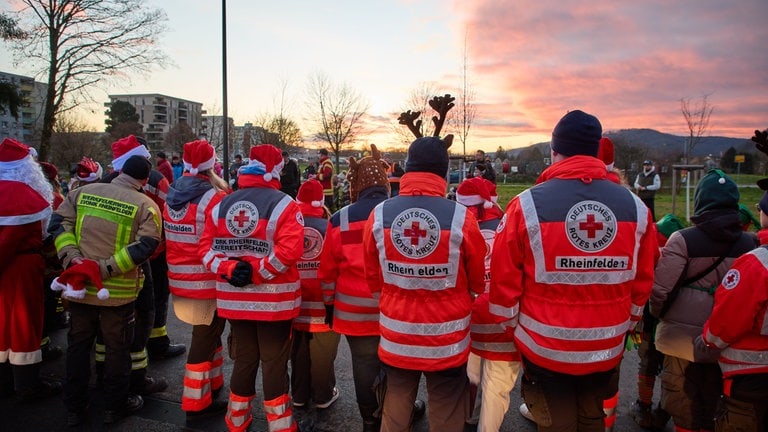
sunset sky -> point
(529, 61)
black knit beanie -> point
(137, 167)
(577, 133)
(715, 191)
(428, 154)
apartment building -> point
(158, 114)
(27, 127)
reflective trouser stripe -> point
(196, 395)
(279, 414)
(139, 360)
(158, 332)
(101, 352)
(239, 416)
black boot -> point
(30, 387)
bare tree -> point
(418, 101)
(462, 119)
(277, 130)
(72, 139)
(337, 110)
(697, 119)
(80, 43)
(177, 136)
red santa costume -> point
(23, 223)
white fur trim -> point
(72, 293)
(15, 164)
(57, 286)
(201, 166)
(27, 218)
(469, 200)
(117, 163)
(267, 176)
(609, 167)
(488, 204)
(317, 203)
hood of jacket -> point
(723, 225)
(186, 189)
(587, 168)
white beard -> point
(30, 173)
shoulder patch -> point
(502, 224)
(731, 279)
(313, 243)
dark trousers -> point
(265, 343)
(158, 337)
(116, 325)
(562, 402)
(447, 392)
(312, 365)
(746, 407)
(690, 392)
(649, 203)
(206, 339)
(366, 367)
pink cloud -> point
(627, 62)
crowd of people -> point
(552, 290)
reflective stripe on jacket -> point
(264, 227)
(342, 272)
(739, 321)
(187, 276)
(424, 253)
(312, 311)
(572, 267)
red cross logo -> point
(590, 226)
(730, 278)
(415, 233)
(241, 219)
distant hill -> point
(664, 144)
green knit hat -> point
(715, 191)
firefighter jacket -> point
(423, 256)
(489, 339)
(189, 199)
(342, 272)
(114, 224)
(687, 254)
(325, 175)
(312, 311)
(739, 321)
(262, 226)
(572, 267)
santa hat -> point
(605, 153)
(491, 190)
(12, 153)
(88, 170)
(311, 192)
(124, 148)
(266, 160)
(474, 191)
(50, 171)
(198, 156)
(72, 281)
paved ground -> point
(162, 411)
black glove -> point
(761, 140)
(703, 352)
(329, 315)
(241, 275)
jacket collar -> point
(422, 183)
(586, 168)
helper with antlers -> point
(423, 256)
